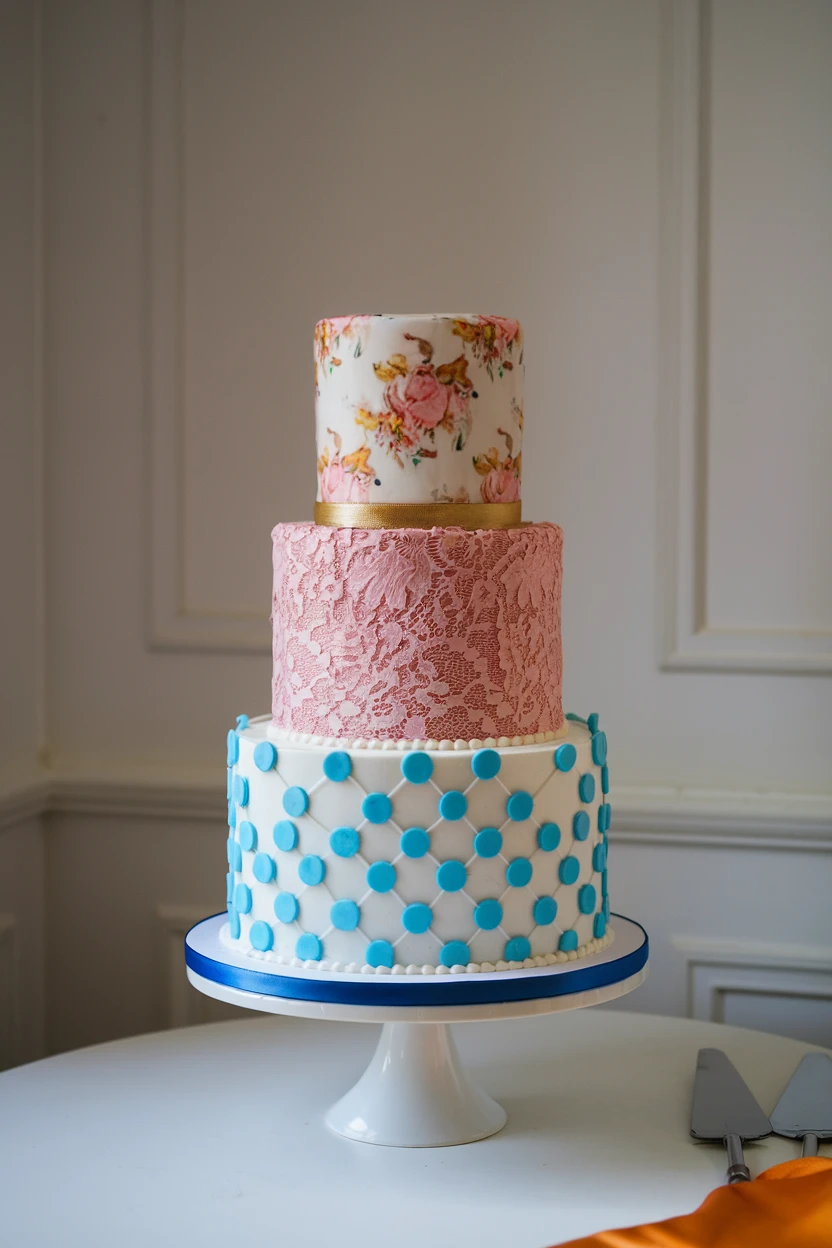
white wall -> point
(647, 186)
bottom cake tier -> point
(417, 861)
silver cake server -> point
(724, 1109)
(804, 1111)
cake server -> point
(804, 1111)
(724, 1109)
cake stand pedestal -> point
(415, 1093)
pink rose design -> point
(500, 486)
(418, 398)
(508, 329)
(339, 486)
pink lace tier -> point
(417, 633)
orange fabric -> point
(794, 1211)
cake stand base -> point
(415, 1093)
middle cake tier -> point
(418, 634)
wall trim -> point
(660, 816)
(688, 642)
(172, 623)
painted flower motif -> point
(417, 397)
(328, 340)
(493, 341)
(345, 479)
(500, 477)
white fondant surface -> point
(339, 804)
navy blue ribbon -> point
(482, 989)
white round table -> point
(214, 1135)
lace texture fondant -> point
(413, 633)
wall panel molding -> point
(688, 641)
(172, 623)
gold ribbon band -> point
(418, 515)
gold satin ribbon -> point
(418, 515)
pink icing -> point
(406, 633)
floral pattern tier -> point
(417, 634)
(419, 409)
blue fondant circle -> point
(337, 765)
(344, 842)
(376, 808)
(286, 907)
(485, 764)
(285, 835)
(453, 805)
(381, 877)
(296, 801)
(488, 842)
(519, 806)
(261, 936)
(517, 949)
(488, 914)
(265, 756)
(311, 870)
(417, 767)
(455, 953)
(548, 836)
(519, 872)
(414, 843)
(451, 876)
(565, 756)
(417, 918)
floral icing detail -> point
(333, 337)
(419, 399)
(494, 340)
(417, 633)
(344, 479)
(500, 477)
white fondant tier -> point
(417, 860)
(419, 408)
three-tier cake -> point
(417, 803)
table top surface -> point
(214, 1134)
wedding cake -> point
(417, 802)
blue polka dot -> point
(519, 806)
(242, 898)
(488, 914)
(380, 953)
(337, 765)
(517, 949)
(285, 835)
(229, 850)
(568, 942)
(229, 784)
(455, 953)
(417, 918)
(241, 790)
(548, 836)
(296, 801)
(575, 719)
(605, 779)
(607, 809)
(592, 722)
(236, 855)
(453, 804)
(261, 936)
(415, 843)
(606, 909)
(599, 748)
(488, 843)
(345, 915)
(565, 756)
(232, 815)
(569, 870)
(263, 868)
(580, 825)
(599, 858)
(248, 835)
(233, 747)
(377, 807)
(451, 876)
(311, 869)
(381, 877)
(599, 925)
(587, 898)
(242, 722)
(485, 764)
(229, 887)
(604, 883)
(265, 755)
(234, 923)
(417, 767)
(519, 872)
(545, 910)
(586, 787)
(309, 948)
(286, 907)
(345, 842)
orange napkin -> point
(788, 1206)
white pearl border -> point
(288, 736)
(473, 968)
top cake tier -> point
(422, 410)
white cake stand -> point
(415, 1093)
